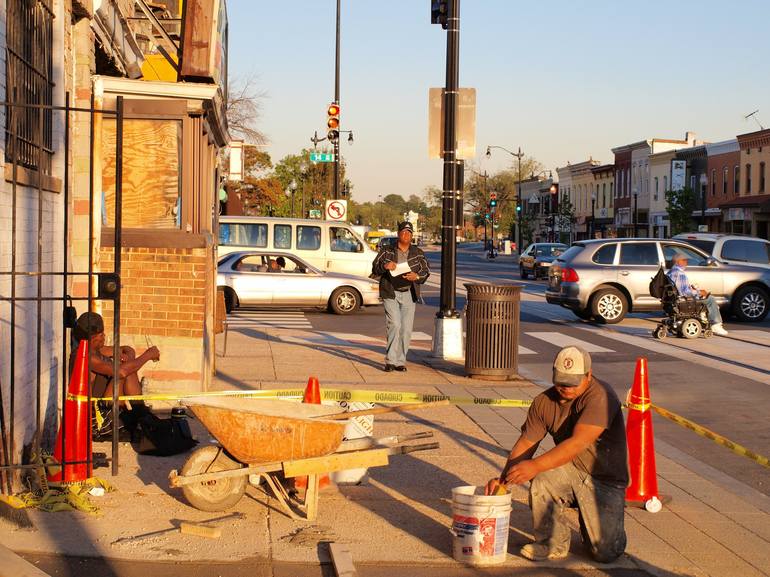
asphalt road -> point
(722, 384)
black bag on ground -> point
(163, 437)
(658, 284)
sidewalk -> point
(712, 526)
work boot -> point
(718, 329)
(541, 552)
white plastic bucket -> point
(356, 428)
(479, 526)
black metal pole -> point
(636, 216)
(519, 207)
(336, 143)
(116, 302)
(448, 230)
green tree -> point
(679, 205)
(313, 182)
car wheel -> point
(584, 314)
(609, 306)
(231, 301)
(690, 329)
(750, 304)
(522, 273)
(344, 300)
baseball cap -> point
(88, 325)
(570, 366)
(406, 225)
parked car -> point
(731, 248)
(387, 241)
(607, 278)
(248, 279)
(537, 258)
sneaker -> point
(389, 367)
(401, 368)
(540, 552)
(718, 329)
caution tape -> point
(359, 396)
(60, 497)
(709, 434)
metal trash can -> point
(492, 331)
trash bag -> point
(163, 437)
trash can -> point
(492, 331)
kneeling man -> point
(587, 468)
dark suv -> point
(608, 278)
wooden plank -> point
(201, 530)
(311, 498)
(336, 462)
(342, 560)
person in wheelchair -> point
(678, 276)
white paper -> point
(401, 268)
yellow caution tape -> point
(635, 407)
(361, 396)
(62, 497)
(709, 434)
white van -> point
(330, 245)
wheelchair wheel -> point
(707, 334)
(690, 329)
(660, 332)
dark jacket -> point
(417, 263)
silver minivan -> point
(606, 279)
(328, 245)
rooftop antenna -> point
(755, 119)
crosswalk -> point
(255, 319)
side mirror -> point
(711, 261)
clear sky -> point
(562, 79)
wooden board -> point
(337, 462)
(342, 560)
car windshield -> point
(705, 245)
(571, 252)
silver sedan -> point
(270, 278)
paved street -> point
(721, 383)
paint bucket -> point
(479, 526)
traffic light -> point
(518, 208)
(439, 12)
(493, 199)
(333, 122)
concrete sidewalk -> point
(400, 518)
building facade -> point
(723, 161)
(749, 212)
(602, 195)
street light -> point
(704, 181)
(303, 172)
(518, 155)
(290, 193)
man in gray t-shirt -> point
(587, 468)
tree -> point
(314, 181)
(680, 204)
(243, 109)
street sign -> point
(336, 209)
(321, 157)
(315, 213)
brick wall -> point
(164, 294)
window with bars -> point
(29, 77)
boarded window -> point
(152, 185)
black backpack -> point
(163, 437)
(658, 284)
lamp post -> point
(518, 155)
(553, 208)
(593, 214)
(290, 193)
(704, 181)
(303, 167)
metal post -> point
(116, 303)
(448, 224)
(636, 216)
(519, 207)
(336, 143)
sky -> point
(564, 80)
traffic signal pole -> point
(448, 331)
(336, 143)
(450, 193)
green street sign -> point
(321, 157)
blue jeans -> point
(399, 319)
(600, 507)
(713, 310)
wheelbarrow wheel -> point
(217, 494)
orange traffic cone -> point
(643, 490)
(77, 426)
(312, 396)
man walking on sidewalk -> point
(587, 468)
(399, 292)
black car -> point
(537, 258)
